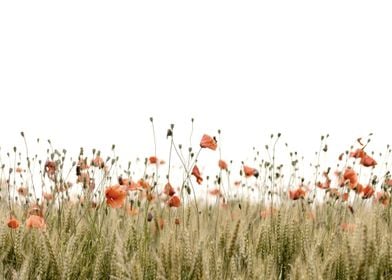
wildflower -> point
(367, 192)
(115, 196)
(13, 223)
(368, 161)
(196, 173)
(208, 142)
(249, 171)
(351, 177)
(174, 201)
(297, 193)
(153, 160)
(344, 196)
(35, 221)
(327, 182)
(222, 164)
(358, 153)
(168, 189)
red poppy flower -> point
(368, 161)
(249, 171)
(297, 193)
(13, 223)
(174, 201)
(168, 189)
(35, 221)
(326, 184)
(115, 196)
(153, 160)
(196, 173)
(367, 192)
(358, 153)
(208, 142)
(350, 176)
(222, 164)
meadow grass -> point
(122, 228)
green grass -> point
(107, 244)
(233, 238)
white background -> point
(91, 73)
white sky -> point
(91, 73)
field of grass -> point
(122, 227)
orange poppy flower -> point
(196, 173)
(35, 221)
(222, 164)
(153, 160)
(208, 142)
(368, 161)
(367, 192)
(249, 171)
(326, 184)
(358, 153)
(345, 196)
(297, 193)
(350, 176)
(174, 201)
(168, 189)
(359, 188)
(115, 196)
(13, 223)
